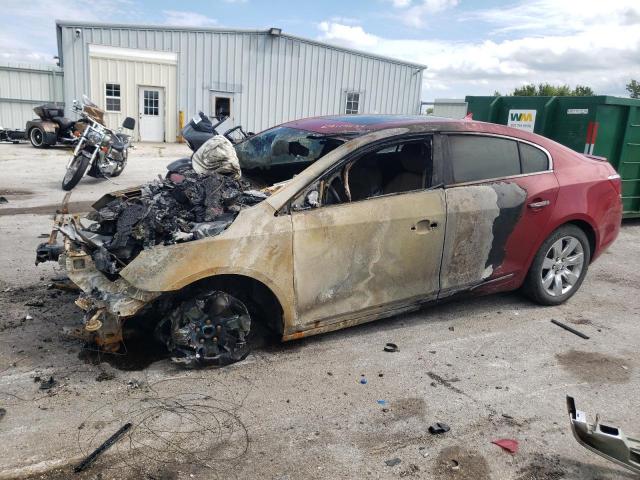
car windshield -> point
(280, 146)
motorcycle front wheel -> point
(75, 171)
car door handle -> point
(539, 204)
(424, 226)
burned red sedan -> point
(385, 214)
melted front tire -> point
(210, 328)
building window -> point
(151, 103)
(353, 103)
(222, 107)
(112, 96)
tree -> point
(633, 87)
(548, 90)
(583, 91)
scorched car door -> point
(500, 196)
(355, 258)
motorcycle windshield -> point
(87, 102)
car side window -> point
(475, 157)
(401, 167)
(532, 159)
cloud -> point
(545, 16)
(37, 17)
(181, 18)
(413, 14)
(603, 56)
(351, 35)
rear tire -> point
(36, 137)
(559, 267)
(75, 172)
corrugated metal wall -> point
(23, 87)
(449, 108)
(272, 79)
(112, 70)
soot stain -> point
(594, 367)
(511, 199)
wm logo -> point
(521, 117)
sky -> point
(469, 47)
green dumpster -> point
(598, 125)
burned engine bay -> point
(182, 207)
(208, 327)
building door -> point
(151, 114)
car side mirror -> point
(129, 123)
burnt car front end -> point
(95, 249)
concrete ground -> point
(490, 368)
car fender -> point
(257, 245)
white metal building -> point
(259, 78)
(24, 86)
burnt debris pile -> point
(182, 207)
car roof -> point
(361, 124)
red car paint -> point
(579, 189)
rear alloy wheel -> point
(559, 267)
(36, 137)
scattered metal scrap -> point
(98, 451)
(605, 440)
(569, 329)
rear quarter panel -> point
(586, 194)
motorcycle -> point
(52, 127)
(101, 151)
(198, 131)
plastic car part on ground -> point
(605, 440)
(508, 444)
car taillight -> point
(616, 181)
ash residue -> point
(185, 206)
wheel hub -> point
(210, 329)
(562, 266)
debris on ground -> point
(382, 402)
(363, 379)
(46, 384)
(133, 384)
(183, 207)
(569, 329)
(452, 328)
(508, 444)
(391, 347)
(28, 317)
(3, 412)
(108, 442)
(65, 286)
(104, 376)
(439, 428)
(3, 200)
(34, 303)
(392, 462)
